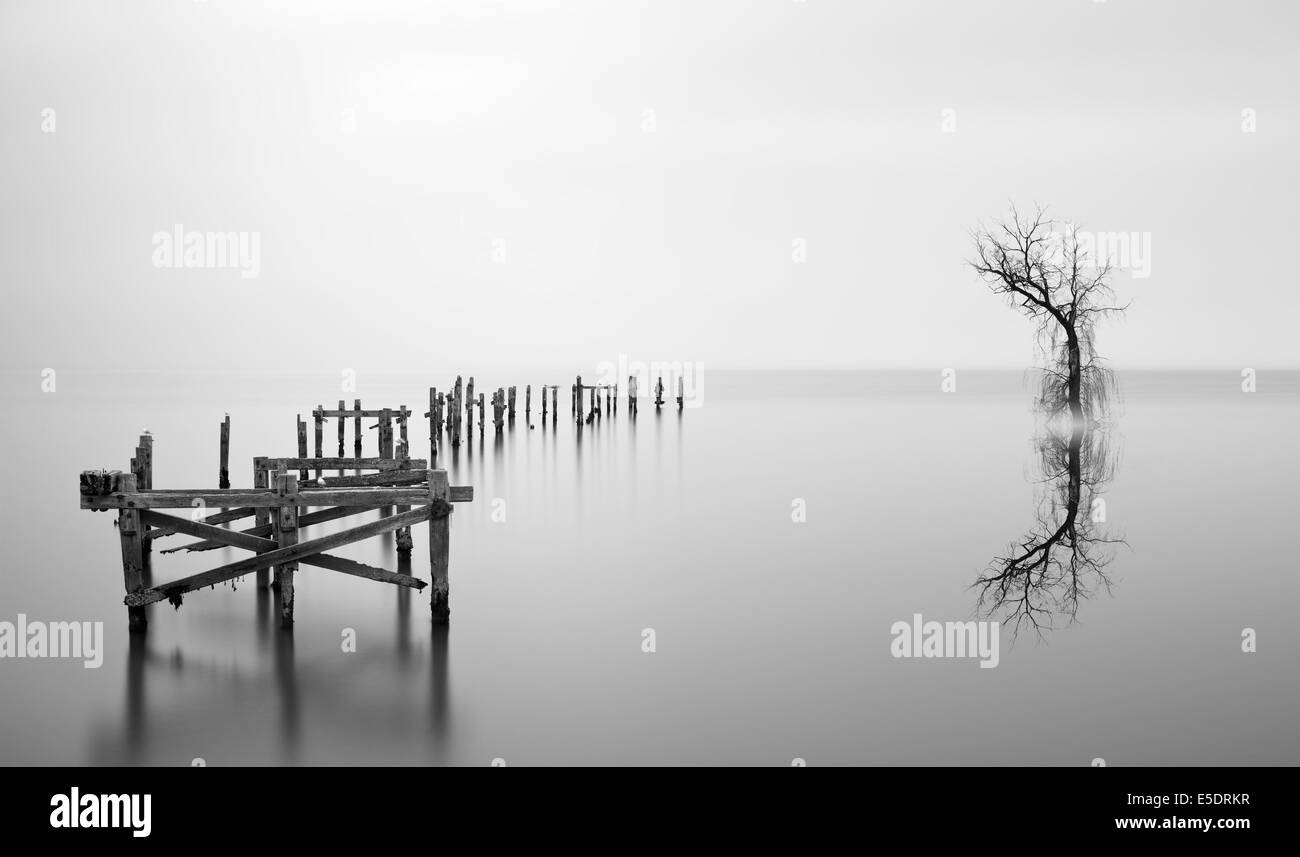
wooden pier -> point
(275, 540)
(282, 503)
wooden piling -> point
(433, 423)
(145, 453)
(129, 530)
(528, 403)
(262, 517)
(404, 442)
(386, 433)
(577, 398)
(285, 531)
(439, 549)
(543, 388)
(342, 407)
(555, 400)
(453, 415)
(510, 404)
(302, 446)
(320, 436)
(482, 421)
(223, 472)
(143, 469)
(681, 392)
(356, 428)
(659, 392)
(469, 406)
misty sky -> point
(392, 154)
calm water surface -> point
(772, 636)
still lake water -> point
(773, 637)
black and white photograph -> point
(650, 383)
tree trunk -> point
(1075, 391)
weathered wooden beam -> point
(344, 463)
(320, 516)
(263, 545)
(366, 496)
(287, 554)
(223, 517)
(400, 412)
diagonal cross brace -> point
(308, 552)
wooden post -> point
(510, 405)
(342, 407)
(403, 535)
(615, 408)
(528, 403)
(262, 517)
(681, 392)
(631, 395)
(439, 549)
(577, 399)
(128, 528)
(356, 428)
(223, 473)
(594, 404)
(302, 446)
(405, 448)
(482, 420)
(659, 392)
(543, 389)
(146, 445)
(144, 482)
(433, 423)
(453, 415)
(284, 527)
(555, 402)
(320, 436)
(469, 406)
(386, 433)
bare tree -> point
(1046, 273)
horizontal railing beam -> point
(271, 464)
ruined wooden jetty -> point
(274, 543)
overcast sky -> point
(514, 184)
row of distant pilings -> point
(453, 411)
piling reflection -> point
(173, 703)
